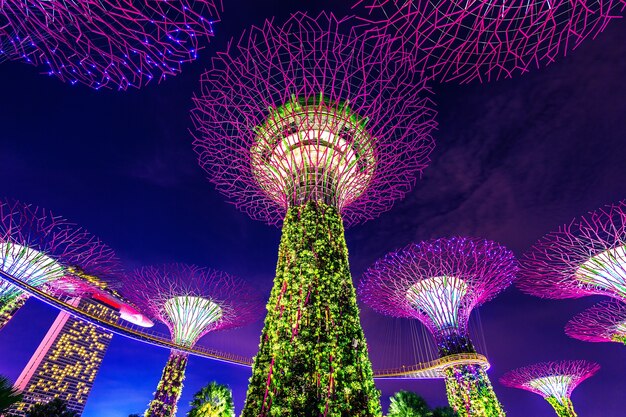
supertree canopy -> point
(440, 282)
(585, 257)
(467, 40)
(604, 322)
(191, 301)
(311, 123)
(554, 381)
(105, 43)
(41, 249)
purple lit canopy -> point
(312, 101)
(551, 379)
(106, 44)
(467, 40)
(439, 282)
(604, 322)
(39, 248)
(191, 300)
(585, 257)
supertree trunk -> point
(312, 358)
(170, 387)
(562, 406)
(470, 392)
(9, 307)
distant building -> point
(67, 361)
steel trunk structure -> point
(467, 40)
(311, 124)
(191, 301)
(106, 43)
(554, 381)
(585, 257)
(604, 322)
(43, 250)
(439, 283)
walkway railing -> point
(426, 370)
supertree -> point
(439, 282)
(191, 301)
(106, 43)
(554, 381)
(467, 40)
(604, 322)
(585, 257)
(311, 124)
(41, 249)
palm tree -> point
(214, 400)
(9, 395)
(54, 408)
(408, 404)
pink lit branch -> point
(604, 322)
(467, 40)
(585, 257)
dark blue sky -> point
(514, 159)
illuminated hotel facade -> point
(67, 361)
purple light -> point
(107, 44)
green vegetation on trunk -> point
(170, 387)
(470, 393)
(312, 358)
(562, 406)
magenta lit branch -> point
(440, 282)
(466, 40)
(604, 322)
(107, 44)
(554, 381)
(308, 110)
(585, 257)
(44, 251)
(191, 301)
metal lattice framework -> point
(585, 257)
(312, 109)
(40, 248)
(106, 43)
(551, 379)
(604, 322)
(467, 40)
(192, 301)
(439, 282)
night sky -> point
(514, 160)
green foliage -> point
(408, 404)
(563, 406)
(9, 395)
(470, 392)
(312, 358)
(54, 408)
(9, 306)
(170, 387)
(213, 400)
(444, 412)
